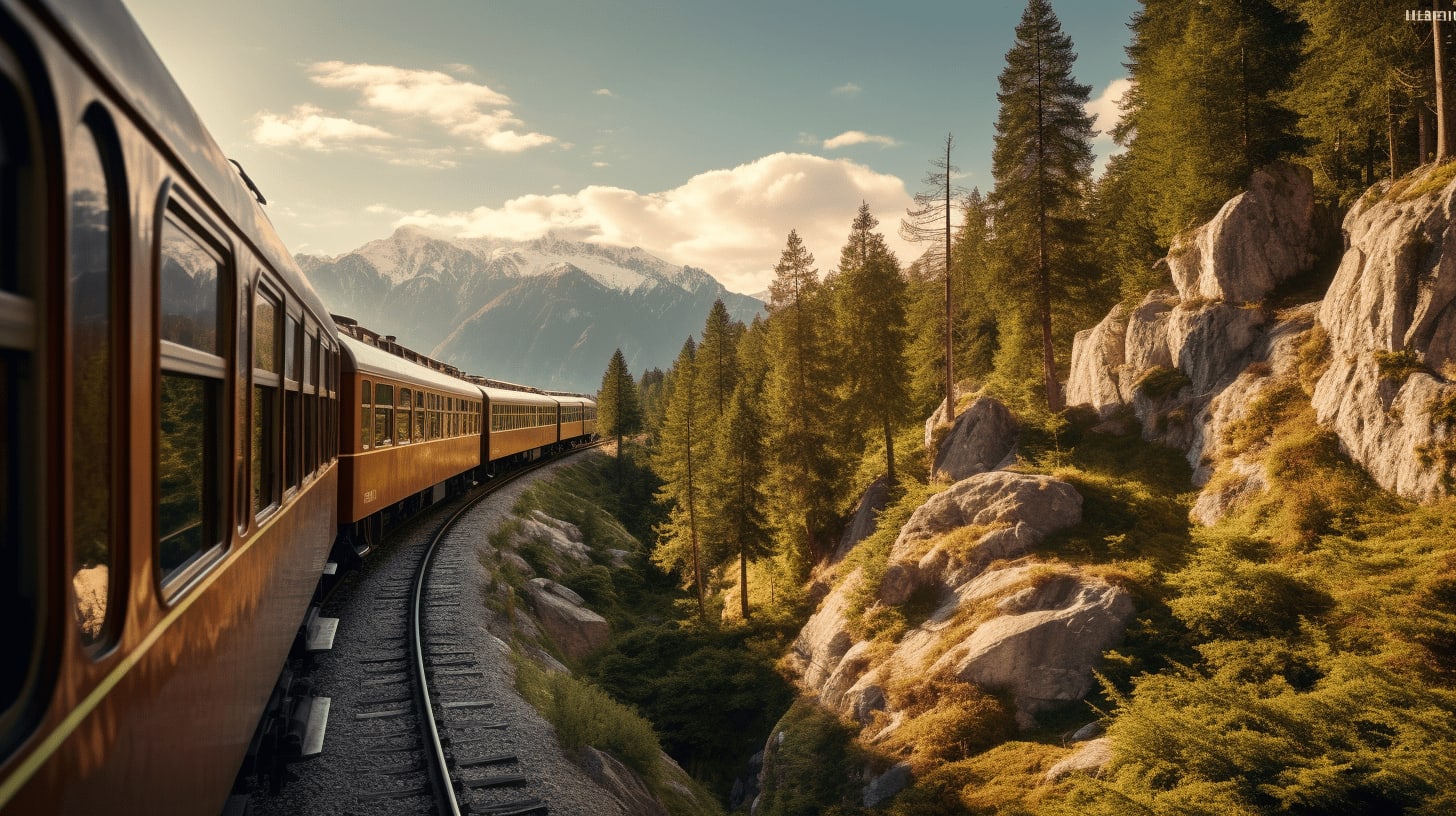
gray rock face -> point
(883, 788)
(982, 438)
(863, 522)
(1259, 238)
(1097, 357)
(1045, 643)
(576, 630)
(1395, 291)
(1210, 343)
(622, 783)
(1091, 757)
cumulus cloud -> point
(466, 110)
(847, 89)
(309, 127)
(1103, 109)
(603, 92)
(857, 137)
(731, 222)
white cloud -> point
(1104, 109)
(847, 89)
(603, 92)
(601, 164)
(1105, 113)
(309, 127)
(857, 137)
(465, 109)
(731, 222)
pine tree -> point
(800, 403)
(929, 222)
(871, 310)
(1042, 163)
(619, 413)
(679, 462)
(736, 485)
(1205, 108)
(977, 289)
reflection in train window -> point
(93, 366)
(186, 464)
(402, 421)
(189, 290)
(292, 407)
(191, 447)
(383, 413)
(366, 416)
(265, 402)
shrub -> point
(946, 719)
(1397, 366)
(583, 714)
(1162, 381)
(814, 765)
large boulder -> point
(1098, 354)
(576, 630)
(626, 788)
(1091, 757)
(825, 638)
(1045, 643)
(982, 438)
(1261, 237)
(1394, 300)
(864, 520)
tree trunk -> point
(743, 583)
(949, 374)
(1369, 157)
(1442, 137)
(1391, 137)
(889, 453)
(1423, 127)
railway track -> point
(419, 719)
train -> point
(193, 445)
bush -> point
(813, 767)
(1162, 381)
(583, 714)
(1397, 366)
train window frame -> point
(179, 362)
(366, 414)
(96, 129)
(267, 385)
(293, 323)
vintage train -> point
(190, 442)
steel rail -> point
(445, 792)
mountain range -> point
(547, 312)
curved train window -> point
(266, 391)
(383, 413)
(94, 317)
(191, 282)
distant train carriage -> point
(578, 417)
(520, 424)
(410, 431)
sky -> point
(702, 131)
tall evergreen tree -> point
(619, 413)
(800, 403)
(871, 314)
(1205, 108)
(929, 222)
(736, 483)
(977, 290)
(679, 463)
(1042, 163)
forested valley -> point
(1285, 627)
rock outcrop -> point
(982, 438)
(1393, 301)
(576, 630)
(1091, 757)
(1001, 619)
(862, 523)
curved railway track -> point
(417, 720)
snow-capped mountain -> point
(548, 312)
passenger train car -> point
(187, 435)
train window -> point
(310, 400)
(402, 421)
(190, 444)
(266, 382)
(383, 413)
(366, 414)
(419, 421)
(94, 302)
(292, 402)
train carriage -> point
(167, 465)
(412, 429)
(519, 424)
(578, 417)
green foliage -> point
(1232, 589)
(871, 557)
(946, 719)
(712, 695)
(619, 411)
(1162, 381)
(1442, 410)
(1359, 740)
(1008, 780)
(583, 714)
(1397, 366)
(814, 767)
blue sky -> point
(701, 131)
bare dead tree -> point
(928, 222)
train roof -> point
(108, 36)
(507, 396)
(367, 359)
